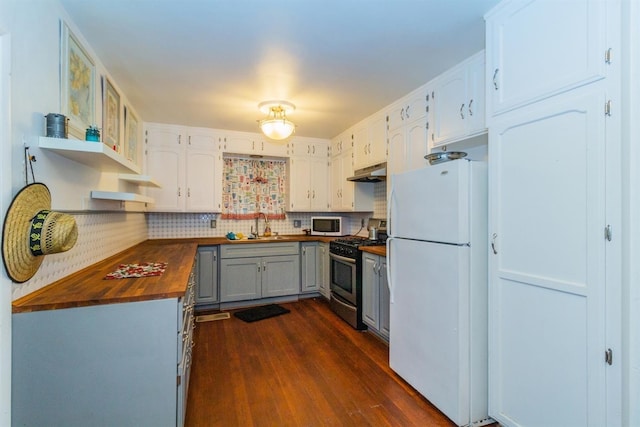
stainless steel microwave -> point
(329, 226)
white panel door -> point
(166, 164)
(299, 197)
(319, 195)
(547, 270)
(201, 180)
(450, 105)
(538, 48)
(416, 144)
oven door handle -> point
(338, 299)
(341, 258)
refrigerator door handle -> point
(389, 216)
(389, 284)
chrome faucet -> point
(257, 223)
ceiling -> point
(209, 63)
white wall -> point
(34, 27)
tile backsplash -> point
(100, 235)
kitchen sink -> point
(270, 238)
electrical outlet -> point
(297, 223)
(214, 223)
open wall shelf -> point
(121, 196)
(94, 154)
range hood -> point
(375, 173)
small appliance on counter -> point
(377, 230)
(334, 226)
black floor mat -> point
(258, 313)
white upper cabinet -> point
(540, 48)
(188, 167)
(408, 122)
(251, 144)
(408, 109)
(458, 102)
(370, 141)
(308, 172)
(347, 196)
(341, 168)
(377, 134)
(340, 143)
(308, 147)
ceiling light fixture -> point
(277, 126)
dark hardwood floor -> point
(304, 368)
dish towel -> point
(144, 269)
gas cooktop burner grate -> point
(359, 241)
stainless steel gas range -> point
(346, 274)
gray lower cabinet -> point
(311, 267)
(375, 293)
(121, 364)
(261, 270)
(207, 275)
(325, 276)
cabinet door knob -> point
(495, 79)
(462, 111)
(470, 110)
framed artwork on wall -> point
(131, 135)
(77, 83)
(110, 115)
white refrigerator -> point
(437, 274)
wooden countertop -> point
(377, 250)
(87, 287)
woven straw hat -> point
(32, 230)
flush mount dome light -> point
(276, 126)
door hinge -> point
(608, 356)
(607, 232)
(607, 56)
(178, 380)
(607, 108)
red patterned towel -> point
(144, 269)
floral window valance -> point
(251, 186)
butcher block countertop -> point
(377, 250)
(88, 287)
